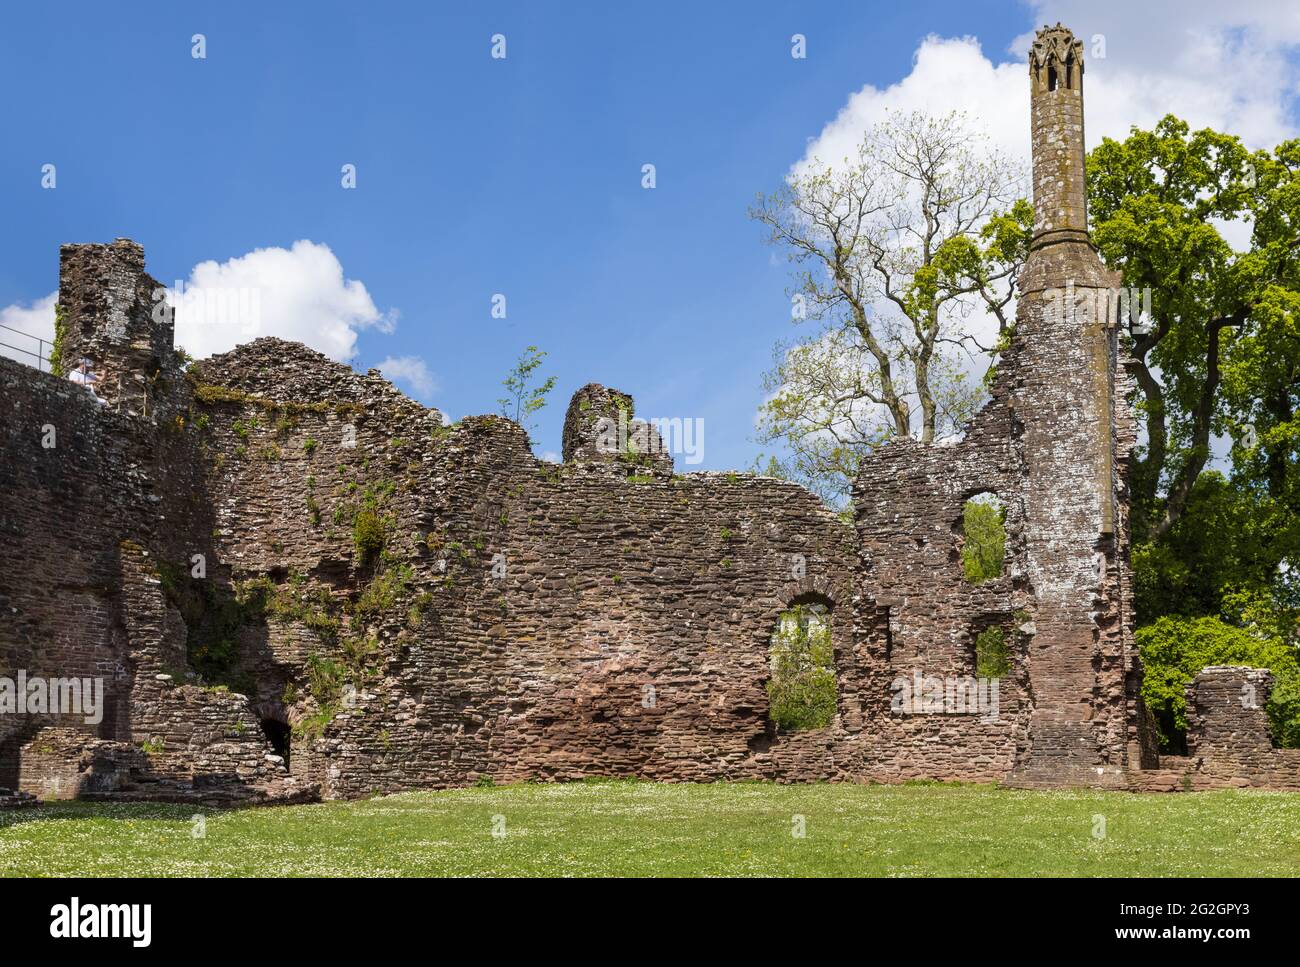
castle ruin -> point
(294, 582)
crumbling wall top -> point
(599, 428)
(289, 372)
(1226, 712)
(113, 313)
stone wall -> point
(95, 498)
(113, 313)
(66, 477)
(529, 620)
(1229, 737)
(598, 617)
(295, 581)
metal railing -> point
(41, 355)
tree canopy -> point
(898, 252)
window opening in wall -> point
(984, 533)
(992, 653)
(802, 689)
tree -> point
(984, 528)
(894, 252)
(1223, 351)
(523, 396)
(1216, 552)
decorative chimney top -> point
(1056, 60)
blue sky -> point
(475, 176)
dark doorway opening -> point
(278, 734)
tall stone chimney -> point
(108, 312)
(1056, 111)
(1077, 431)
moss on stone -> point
(57, 349)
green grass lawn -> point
(647, 829)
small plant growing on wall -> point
(60, 343)
(802, 690)
(369, 536)
(524, 395)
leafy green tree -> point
(1215, 552)
(1225, 543)
(893, 252)
(802, 689)
(984, 527)
(1223, 352)
(524, 396)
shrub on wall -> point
(802, 689)
(57, 366)
(383, 592)
(369, 535)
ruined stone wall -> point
(555, 621)
(1067, 397)
(300, 582)
(95, 499)
(1229, 738)
(88, 521)
(112, 312)
(60, 534)
(920, 615)
(528, 620)
(600, 617)
(1053, 444)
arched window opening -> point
(983, 528)
(802, 690)
(1051, 78)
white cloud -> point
(1227, 66)
(297, 293)
(1230, 66)
(411, 371)
(947, 75)
(33, 322)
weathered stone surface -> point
(600, 427)
(13, 798)
(502, 616)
